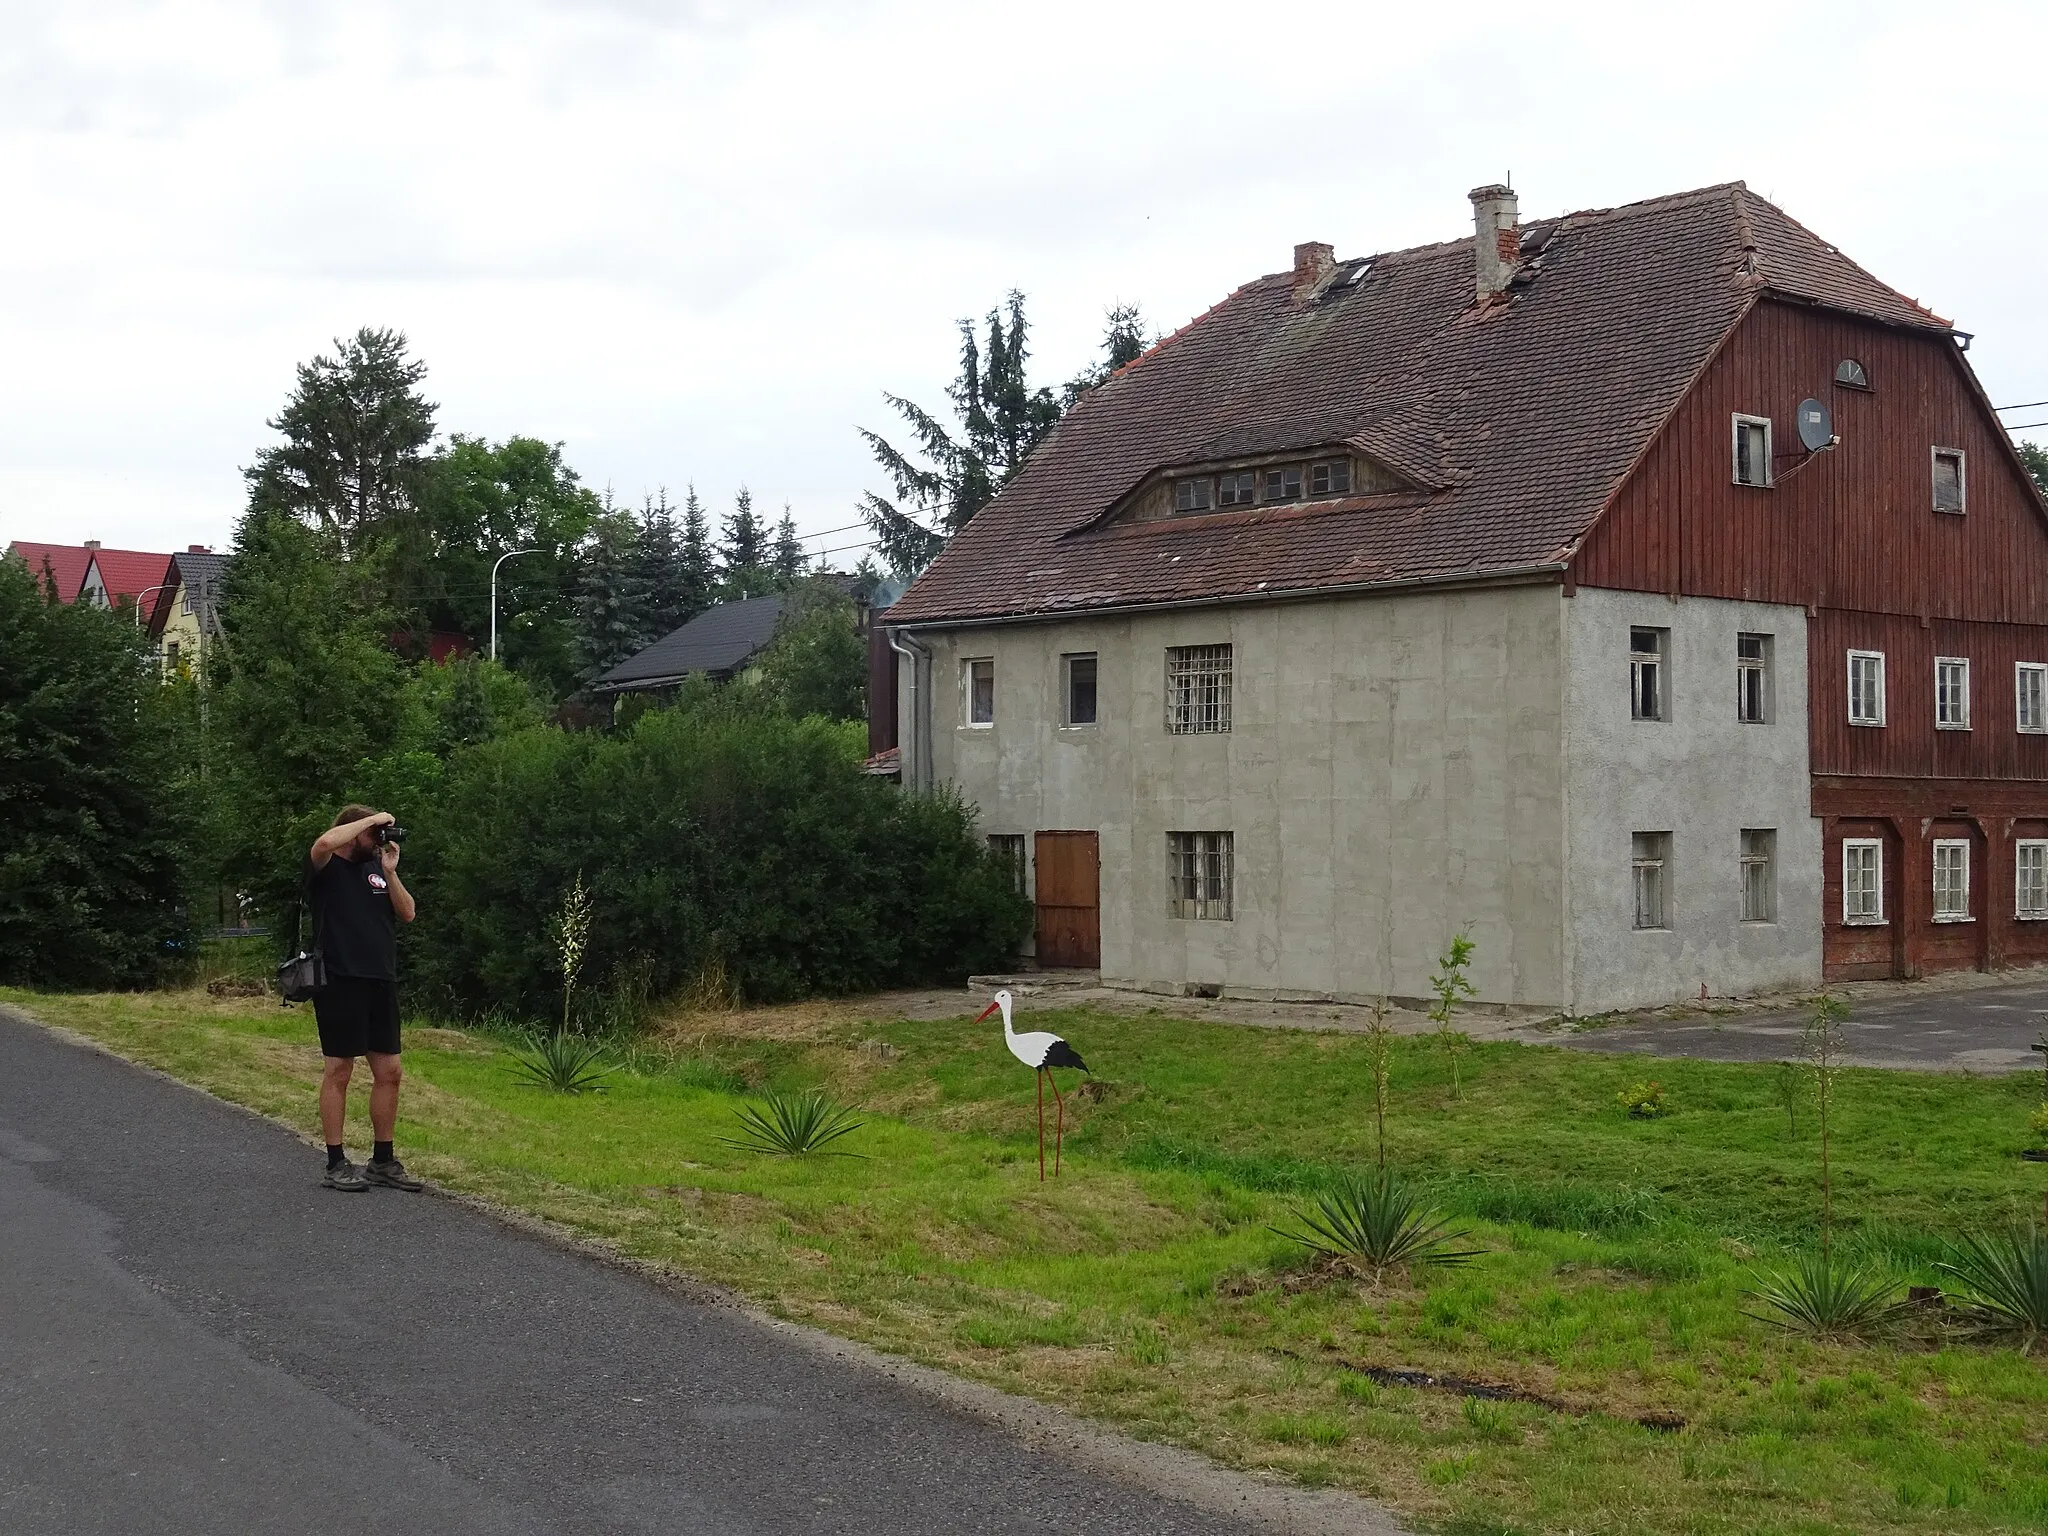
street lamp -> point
(494, 592)
(144, 593)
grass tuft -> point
(794, 1125)
(2005, 1277)
(562, 1062)
(1829, 1297)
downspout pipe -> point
(917, 760)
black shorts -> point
(357, 1015)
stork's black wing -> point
(1062, 1054)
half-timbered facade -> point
(1492, 587)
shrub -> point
(1828, 1296)
(2037, 1122)
(713, 838)
(794, 1125)
(2005, 1278)
(1643, 1101)
(565, 1063)
(1379, 1220)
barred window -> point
(1009, 848)
(1198, 874)
(1759, 880)
(1951, 880)
(1197, 689)
(1862, 880)
(1650, 859)
(2030, 878)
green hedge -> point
(708, 836)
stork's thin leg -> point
(1040, 1074)
(1060, 1133)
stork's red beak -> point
(991, 1008)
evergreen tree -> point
(1123, 341)
(91, 866)
(1001, 421)
(356, 430)
(2035, 458)
(699, 572)
(788, 560)
(611, 622)
(743, 553)
(663, 584)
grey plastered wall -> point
(1393, 773)
(1703, 776)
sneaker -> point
(345, 1176)
(391, 1175)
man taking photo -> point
(358, 902)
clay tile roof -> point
(1512, 424)
(129, 573)
(66, 564)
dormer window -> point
(1191, 495)
(1284, 484)
(1330, 478)
(1851, 374)
(1237, 489)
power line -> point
(2027, 426)
(2024, 405)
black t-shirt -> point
(354, 928)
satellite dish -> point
(1816, 426)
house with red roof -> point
(1649, 593)
(63, 566)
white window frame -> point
(2022, 849)
(1659, 665)
(2037, 671)
(1934, 458)
(1878, 657)
(967, 670)
(1067, 720)
(1945, 719)
(1735, 426)
(1767, 861)
(1761, 666)
(1956, 851)
(1642, 864)
(1198, 864)
(1875, 847)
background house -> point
(1491, 586)
(187, 622)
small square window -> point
(1759, 875)
(978, 683)
(1008, 847)
(1238, 489)
(1862, 880)
(1650, 859)
(1284, 484)
(1198, 874)
(2030, 878)
(1951, 693)
(1331, 478)
(1077, 686)
(1646, 694)
(1752, 450)
(1866, 688)
(1753, 679)
(1951, 880)
(1197, 689)
(1191, 495)
(2030, 706)
(1949, 489)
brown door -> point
(1069, 900)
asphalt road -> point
(196, 1338)
(1986, 1029)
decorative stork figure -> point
(1040, 1051)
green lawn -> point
(1144, 1287)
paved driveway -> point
(196, 1338)
(1987, 1029)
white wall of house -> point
(1393, 774)
(1701, 776)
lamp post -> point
(144, 593)
(494, 592)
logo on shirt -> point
(377, 882)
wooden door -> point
(1069, 900)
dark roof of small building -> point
(718, 642)
(1512, 423)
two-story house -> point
(1649, 592)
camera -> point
(390, 832)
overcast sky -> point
(696, 242)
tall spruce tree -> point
(611, 621)
(1123, 340)
(1001, 421)
(663, 584)
(744, 570)
(699, 567)
(356, 430)
(788, 559)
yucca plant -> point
(1828, 1297)
(1381, 1221)
(2004, 1278)
(566, 1063)
(794, 1125)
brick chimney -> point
(1496, 238)
(198, 549)
(1313, 261)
